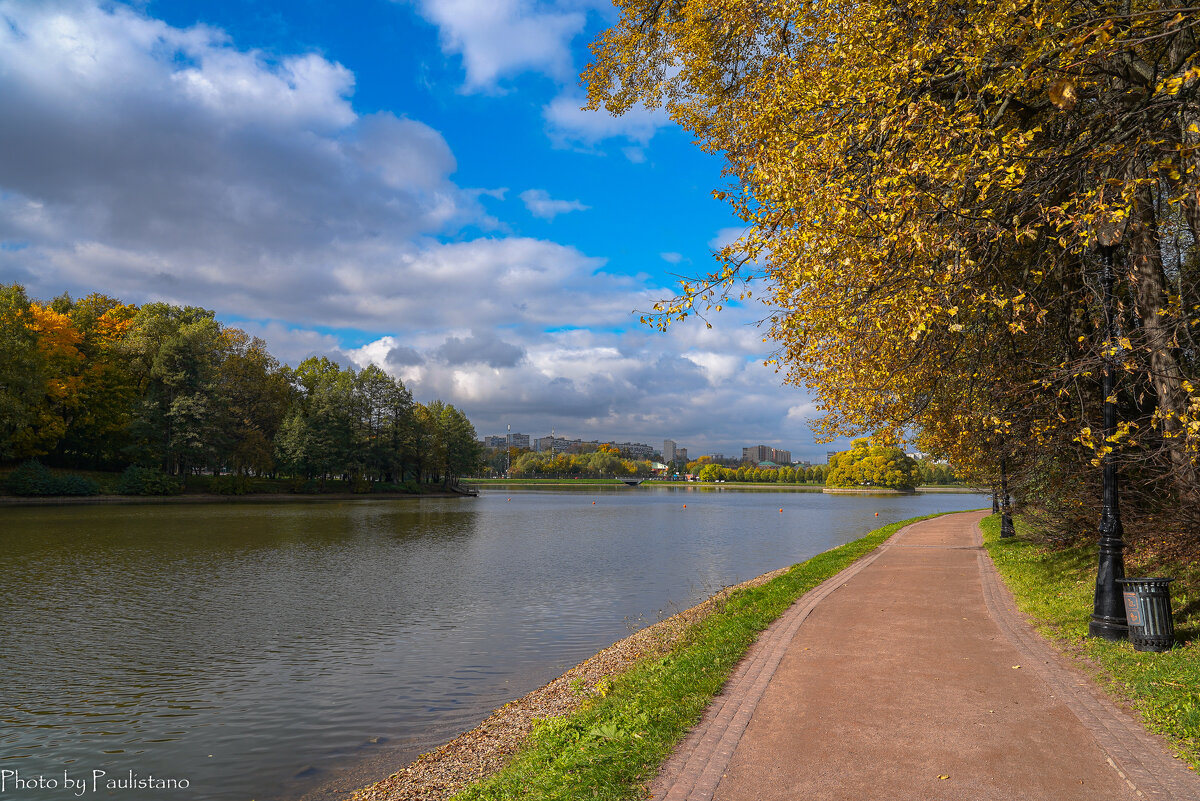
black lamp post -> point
(1108, 616)
(1006, 523)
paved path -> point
(911, 675)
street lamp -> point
(1108, 616)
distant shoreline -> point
(210, 498)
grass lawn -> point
(613, 745)
(1055, 588)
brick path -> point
(910, 674)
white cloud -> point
(570, 125)
(671, 257)
(726, 237)
(178, 166)
(153, 162)
(540, 204)
(639, 385)
(502, 38)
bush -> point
(77, 485)
(229, 485)
(144, 481)
(31, 478)
(304, 486)
(34, 479)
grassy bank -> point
(613, 745)
(1055, 588)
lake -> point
(270, 651)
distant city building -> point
(681, 454)
(635, 450)
(829, 456)
(504, 441)
(668, 451)
(555, 445)
(765, 453)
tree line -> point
(604, 462)
(865, 464)
(100, 384)
(935, 199)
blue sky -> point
(405, 182)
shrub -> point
(229, 485)
(76, 485)
(34, 479)
(31, 478)
(145, 481)
(304, 486)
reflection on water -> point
(252, 648)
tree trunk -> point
(1166, 376)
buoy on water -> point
(877, 514)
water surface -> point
(257, 650)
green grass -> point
(1055, 588)
(613, 745)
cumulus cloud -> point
(540, 204)
(570, 125)
(479, 349)
(403, 356)
(706, 389)
(154, 162)
(183, 166)
(501, 38)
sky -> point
(409, 183)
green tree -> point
(867, 465)
(22, 378)
(454, 449)
(256, 394)
(318, 437)
(603, 464)
(174, 355)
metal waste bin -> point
(1148, 609)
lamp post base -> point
(1108, 628)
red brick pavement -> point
(911, 675)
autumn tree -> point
(922, 186)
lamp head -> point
(1110, 230)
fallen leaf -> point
(943, 776)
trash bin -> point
(1148, 610)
